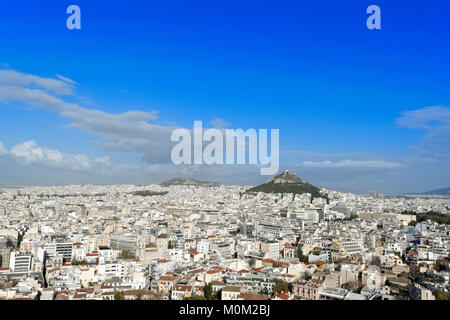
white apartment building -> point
(271, 249)
(20, 262)
(203, 246)
(59, 248)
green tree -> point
(195, 297)
(414, 271)
(127, 255)
(208, 291)
(9, 243)
(440, 265)
(280, 286)
(441, 296)
(19, 239)
(252, 262)
(434, 216)
(353, 216)
(119, 295)
(300, 255)
(75, 262)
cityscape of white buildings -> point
(152, 242)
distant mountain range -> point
(439, 192)
(187, 182)
(287, 182)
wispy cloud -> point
(131, 131)
(19, 79)
(142, 132)
(426, 118)
(65, 79)
(435, 122)
(373, 164)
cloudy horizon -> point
(358, 110)
(140, 133)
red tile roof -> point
(193, 252)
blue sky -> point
(357, 109)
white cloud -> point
(15, 78)
(435, 122)
(30, 153)
(139, 132)
(3, 150)
(104, 160)
(374, 164)
(65, 79)
(127, 132)
(426, 117)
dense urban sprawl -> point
(217, 242)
